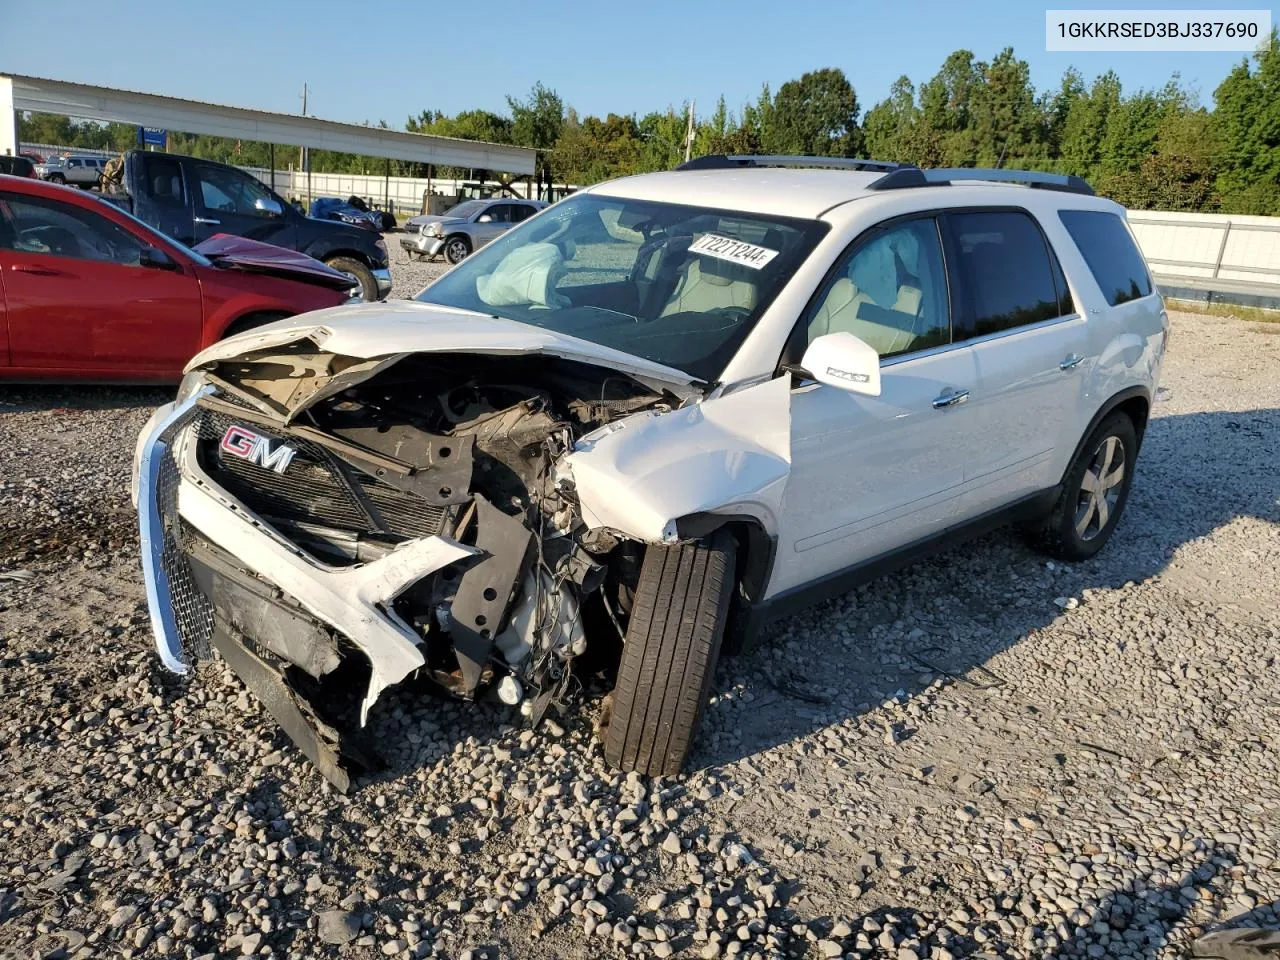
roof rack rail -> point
(720, 161)
(908, 176)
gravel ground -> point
(986, 755)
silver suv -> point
(81, 171)
(463, 229)
(664, 412)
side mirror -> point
(843, 360)
(156, 259)
(268, 206)
(485, 218)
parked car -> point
(33, 157)
(386, 218)
(17, 166)
(333, 208)
(464, 228)
(76, 169)
(89, 293)
(666, 411)
(192, 199)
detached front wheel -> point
(673, 641)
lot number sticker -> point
(735, 251)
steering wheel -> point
(736, 314)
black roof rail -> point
(906, 176)
(720, 161)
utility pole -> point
(302, 151)
(688, 137)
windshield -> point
(466, 210)
(679, 285)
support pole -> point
(8, 120)
(273, 168)
(386, 186)
(1222, 248)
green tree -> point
(536, 122)
(816, 115)
(1248, 117)
(1007, 124)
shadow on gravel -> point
(1138, 924)
(52, 398)
(1194, 475)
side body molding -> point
(729, 455)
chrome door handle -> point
(1071, 362)
(951, 399)
(207, 220)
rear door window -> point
(1006, 275)
(163, 180)
(1110, 253)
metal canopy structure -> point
(194, 116)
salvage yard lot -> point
(986, 754)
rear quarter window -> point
(1110, 253)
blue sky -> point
(374, 60)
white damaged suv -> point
(636, 428)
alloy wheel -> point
(1100, 488)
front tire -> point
(1094, 492)
(358, 272)
(57, 178)
(673, 640)
(457, 249)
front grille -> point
(316, 487)
(192, 611)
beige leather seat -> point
(892, 331)
(711, 284)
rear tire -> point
(1094, 493)
(673, 641)
(457, 249)
(358, 272)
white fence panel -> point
(1202, 246)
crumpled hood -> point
(255, 256)
(399, 328)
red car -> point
(87, 292)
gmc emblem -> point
(247, 445)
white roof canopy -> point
(194, 116)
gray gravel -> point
(409, 276)
(985, 755)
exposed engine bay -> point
(458, 446)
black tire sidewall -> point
(368, 285)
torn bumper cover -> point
(217, 575)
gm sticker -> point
(735, 251)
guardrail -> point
(1211, 254)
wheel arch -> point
(250, 319)
(756, 549)
(1135, 402)
(343, 252)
